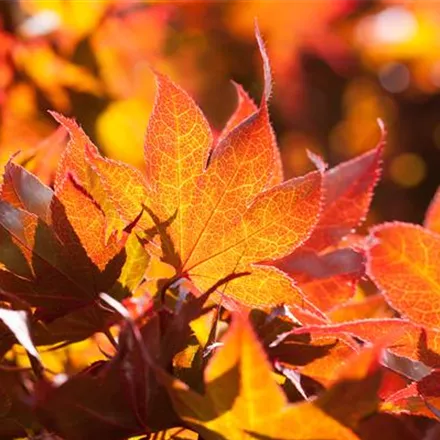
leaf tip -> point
(60, 118)
(266, 64)
(383, 133)
(317, 160)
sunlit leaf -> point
(245, 108)
(117, 187)
(403, 262)
(373, 306)
(239, 221)
(88, 223)
(233, 405)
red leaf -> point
(117, 187)
(404, 338)
(348, 190)
(420, 398)
(327, 280)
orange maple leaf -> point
(403, 260)
(327, 275)
(216, 208)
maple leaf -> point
(55, 258)
(348, 191)
(245, 108)
(216, 208)
(403, 262)
(327, 280)
(328, 276)
(128, 186)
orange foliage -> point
(175, 284)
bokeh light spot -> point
(42, 23)
(408, 170)
(394, 77)
(394, 25)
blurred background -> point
(337, 67)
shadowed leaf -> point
(327, 280)
(23, 190)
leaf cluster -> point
(234, 302)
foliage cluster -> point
(233, 303)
